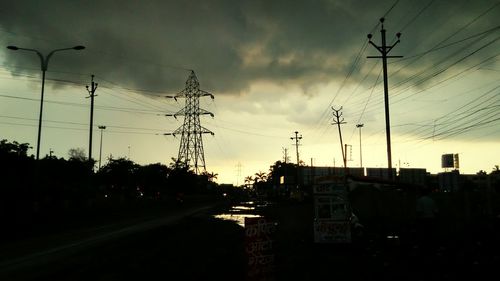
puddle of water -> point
(239, 212)
(238, 218)
(243, 208)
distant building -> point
(449, 181)
(477, 181)
(414, 176)
(381, 173)
(308, 174)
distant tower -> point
(191, 146)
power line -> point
(367, 101)
(81, 124)
(454, 115)
(417, 15)
(431, 50)
(110, 108)
(324, 115)
(76, 129)
(438, 72)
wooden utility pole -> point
(339, 120)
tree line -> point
(56, 186)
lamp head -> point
(79, 47)
(15, 48)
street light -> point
(100, 149)
(44, 62)
(360, 154)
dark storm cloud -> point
(230, 44)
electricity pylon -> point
(191, 147)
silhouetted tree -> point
(206, 182)
(261, 185)
(152, 180)
(210, 175)
(77, 154)
(181, 179)
(248, 181)
(15, 148)
(495, 178)
(16, 181)
(118, 175)
(260, 177)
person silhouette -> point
(426, 217)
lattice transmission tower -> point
(191, 147)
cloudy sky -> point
(274, 67)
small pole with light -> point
(359, 126)
(102, 128)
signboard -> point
(456, 162)
(332, 211)
(332, 231)
(259, 239)
(447, 161)
(450, 161)
(331, 207)
(328, 188)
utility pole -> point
(359, 126)
(238, 173)
(93, 87)
(384, 50)
(313, 176)
(297, 139)
(285, 155)
(339, 120)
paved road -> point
(12, 262)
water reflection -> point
(238, 218)
(239, 212)
(235, 208)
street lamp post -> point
(360, 152)
(44, 62)
(100, 148)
